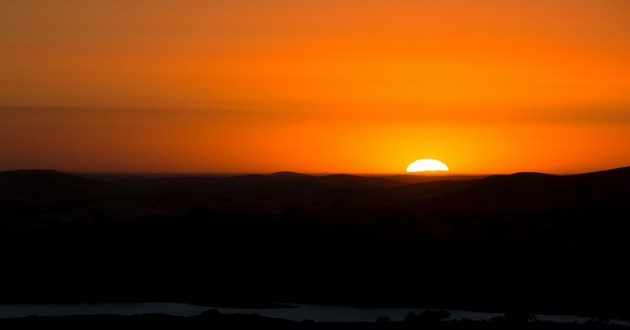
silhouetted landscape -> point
(315, 164)
(211, 318)
(522, 243)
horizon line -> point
(238, 173)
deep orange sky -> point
(358, 86)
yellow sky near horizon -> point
(314, 86)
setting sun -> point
(425, 165)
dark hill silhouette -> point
(288, 174)
(536, 191)
(414, 178)
(346, 179)
(48, 184)
(43, 191)
(525, 241)
(430, 189)
(37, 193)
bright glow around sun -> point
(427, 164)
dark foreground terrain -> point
(527, 242)
(214, 320)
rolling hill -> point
(526, 241)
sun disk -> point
(427, 164)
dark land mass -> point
(214, 320)
(526, 242)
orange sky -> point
(359, 86)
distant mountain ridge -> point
(527, 191)
(536, 190)
(55, 184)
(48, 184)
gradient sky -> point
(358, 86)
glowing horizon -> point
(315, 87)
